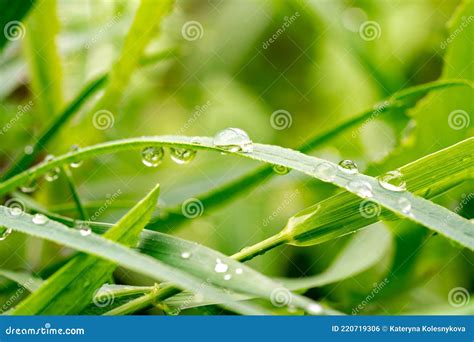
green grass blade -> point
(300, 227)
(225, 193)
(121, 255)
(70, 289)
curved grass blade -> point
(299, 227)
(128, 258)
(403, 99)
(70, 289)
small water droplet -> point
(182, 155)
(405, 205)
(314, 309)
(233, 140)
(4, 233)
(29, 149)
(16, 211)
(30, 186)
(228, 277)
(52, 174)
(281, 170)
(239, 271)
(185, 255)
(393, 181)
(348, 166)
(75, 164)
(361, 188)
(196, 141)
(325, 171)
(220, 266)
(85, 230)
(152, 156)
(39, 219)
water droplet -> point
(52, 174)
(196, 141)
(314, 309)
(30, 186)
(4, 233)
(39, 219)
(16, 211)
(361, 188)
(239, 271)
(348, 166)
(228, 277)
(393, 181)
(233, 140)
(405, 205)
(85, 230)
(182, 155)
(220, 266)
(29, 149)
(325, 171)
(281, 170)
(152, 156)
(185, 255)
(75, 164)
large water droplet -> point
(405, 205)
(52, 174)
(393, 181)
(220, 266)
(85, 230)
(348, 166)
(281, 170)
(361, 188)
(4, 233)
(152, 156)
(233, 140)
(185, 255)
(182, 155)
(30, 186)
(78, 163)
(39, 219)
(325, 171)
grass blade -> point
(70, 289)
(13, 11)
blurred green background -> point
(238, 63)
